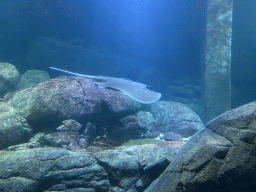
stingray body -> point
(135, 90)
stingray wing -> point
(135, 90)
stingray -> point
(137, 91)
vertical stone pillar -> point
(217, 62)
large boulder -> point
(50, 169)
(74, 98)
(176, 117)
(219, 158)
(14, 129)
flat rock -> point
(50, 169)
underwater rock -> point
(155, 169)
(146, 120)
(24, 146)
(49, 169)
(129, 128)
(9, 73)
(61, 139)
(169, 136)
(70, 125)
(176, 117)
(125, 166)
(116, 189)
(130, 168)
(68, 134)
(130, 122)
(220, 157)
(153, 134)
(197, 108)
(89, 132)
(9, 76)
(7, 109)
(39, 138)
(54, 100)
(8, 96)
(60, 99)
(14, 129)
(31, 78)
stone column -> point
(217, 59)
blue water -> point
(164, 37)
(151, 41)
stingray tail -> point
(77, 74)
(81, 75)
